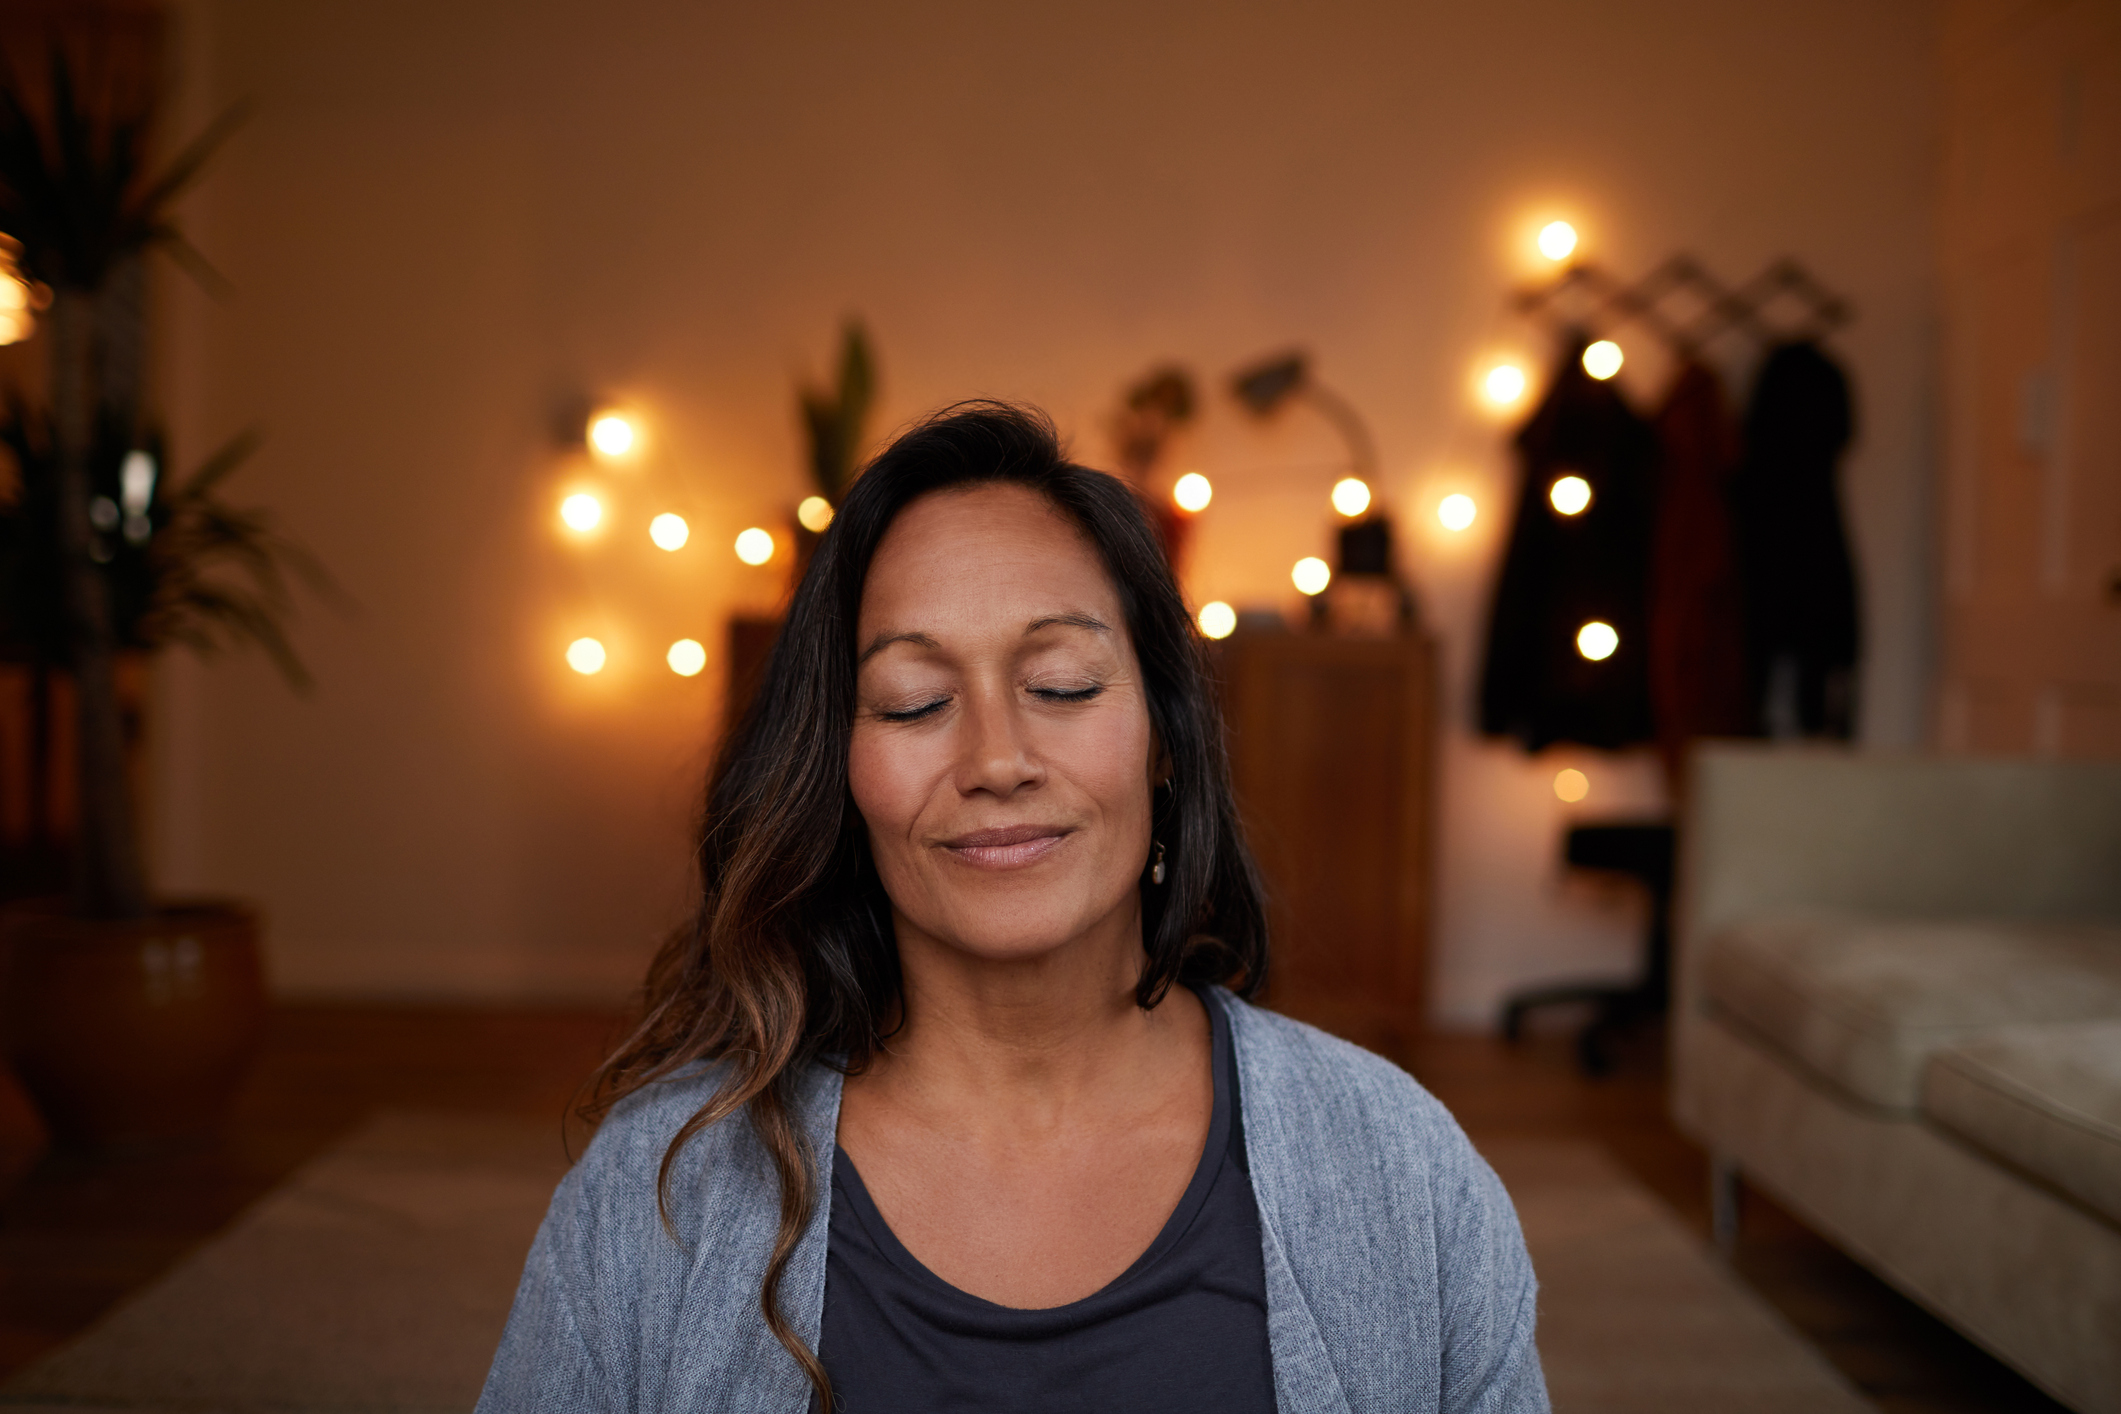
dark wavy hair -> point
(791, 958)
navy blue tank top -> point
(1182, 1330)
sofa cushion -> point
(1863, 1002)
(2044, 1098)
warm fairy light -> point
(15, 320)
(1597, 640)
(611, 435)
(1456, 511)
(1602, 359)
(814, 514)
(1557, 240)
(1569, 494)
(1351, 496)
(669, 532)
(585, 656)
(582, 512)
(1217, 619)
(754, 546)
(1571, 784)
(1311, 574)
(1193, 492)
(1504, 385)
(686, 657)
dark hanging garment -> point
(1793, 550)
(1563, 571)
(1697, 609)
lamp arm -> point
(1342, 414)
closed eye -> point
(912, 714)
(1068, 694)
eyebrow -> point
(922, 640)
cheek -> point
(884, 783)
(1111, 765)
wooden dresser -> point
(1331, 747)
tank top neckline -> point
(847, 1181)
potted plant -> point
(126, 1019)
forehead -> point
(984, 557)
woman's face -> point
(1002, 756)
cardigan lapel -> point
(1304, 1378)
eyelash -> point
(1050, 694)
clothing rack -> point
(1686, 306)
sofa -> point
(1897, 1011)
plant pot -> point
(134, 1033)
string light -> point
(585, 656)
(686, 657)
(582, 512)
(1603, 359)
(1351, 496)
(1597, 640)
(1571, 784)
(16, 320)
(1557, 240)
(1456, 511)
(611, 435)
(1569, 494)
(814, 514)
(1504, 384)
(669, 532)
(1311, 575)
(1217, 619)
(1192, 493)
(754, 546)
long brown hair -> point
(790, 958)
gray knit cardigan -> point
(1396, 1276)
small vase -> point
(136, 1033)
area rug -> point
(378, 1278)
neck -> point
(1036, 1032)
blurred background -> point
(497, 286)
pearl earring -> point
(1156, 870)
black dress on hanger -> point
(1562, 571)
(1798, 578)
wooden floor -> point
(77, 1234)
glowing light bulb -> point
(1504, 385)
(582, 512)
(1311, 574)
(1456, 511)
(814, 514)
(1596, 641)
(611, 435)
(1351, 496)
(669, 532)
(754, 546)
(1569, 494)
(1571, 784)
(1217, 619)
(1193, 492)
(686, 657)
(1557, 240)
(585, 656)
(1603, 359)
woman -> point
(941, 1103)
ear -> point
(1159, 764)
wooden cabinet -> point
(1331, 747)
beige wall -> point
(447, 216)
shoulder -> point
(618, 1193)
(1290, 1066)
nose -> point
(997, 756)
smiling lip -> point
(1011, 847)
